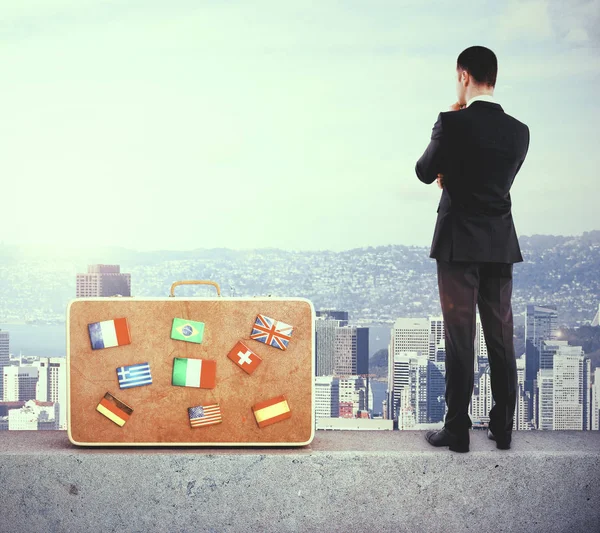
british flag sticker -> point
(272, 332)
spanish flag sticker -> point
(271, 411)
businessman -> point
(475, 152)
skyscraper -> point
(571, 377)
(326, 325)
(4, 358)
(103, 280)
(52, 385)
(410, 335)
(340, 349)
(540, 324)
(327, 397)
(549, 349)
(482, 399)
(523, 418)
(409, 372)
(20, 383)
(595, 401)
(544, 399)
(436, 335)
(353, 390)
(436, 383)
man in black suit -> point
(475, 152)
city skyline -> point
(155, 126)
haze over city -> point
(154, 125)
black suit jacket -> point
(479, 150)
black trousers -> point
(462, 285)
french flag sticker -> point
(109, 333)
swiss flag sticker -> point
(244, 357)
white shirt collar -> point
(484, 97)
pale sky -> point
(163, 124)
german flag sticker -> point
(114, 409)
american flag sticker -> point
(134, 375)
(109, 333)
(205, 415)
(272, 332)
(114, 409)
(244, 357)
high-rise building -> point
(595, 401)
(326, 326)
(440, 352)
(549, 349)
(571, 379)
(544, 399)
(325, 333)
(436, 393)
(362, 350)
(436, 335)
(563, 397)
(4, 358)
(341, 349)
(481, 353)
(52, 385)
(20, 383)
(327, 397)
(410, 335)
(587, 394)
(406, 412)
(409, 372)
(541, 323)
(353, 391)
(103, 280)
(522, 418)
(481, 400)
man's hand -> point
(456, 106)
(440, 181)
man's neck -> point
(480, 96)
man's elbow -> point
(422, 174)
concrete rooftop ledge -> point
(346, 481)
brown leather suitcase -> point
(133, 373)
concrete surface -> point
(350, 481)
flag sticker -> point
(272, 332)
(114, 409)
(244, 357)
(204, 415)
(271, 411)
(199, 373)
(134, 375)
(109, 333)
(187, 330)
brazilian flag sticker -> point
(187, 330)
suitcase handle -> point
(195, 282)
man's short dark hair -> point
(481, 63)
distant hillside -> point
(375, 284)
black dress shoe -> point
(501, 444)
(443, 437)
